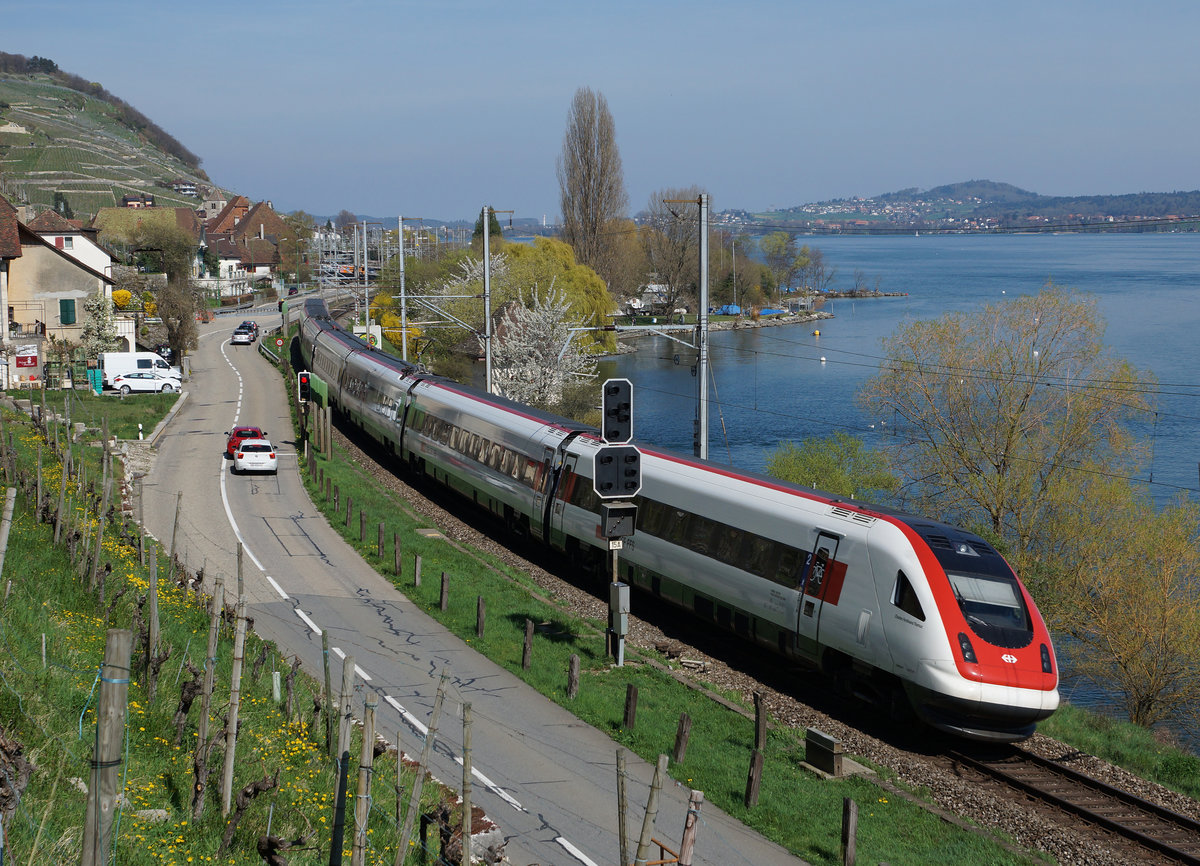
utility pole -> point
(403, 296)
(487, 300)
(702, 338)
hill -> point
(988, 205)
(60, 133)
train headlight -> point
(968, 651)
(1047, 666)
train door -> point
(818, 577)
(545, 483)
(560, 493)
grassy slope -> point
(75, 145)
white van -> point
(119, 363)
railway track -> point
(1155, 828)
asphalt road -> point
(547, 779)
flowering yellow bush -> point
(122, 297)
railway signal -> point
(617, 472)
(303, 386)
(616, 425)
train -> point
(909, 613)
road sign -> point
(279, 342)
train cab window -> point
(905, 597)
(993, 607)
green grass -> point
(48, 707)
(123, 414)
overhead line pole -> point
(702, 338)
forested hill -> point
(1003, 200)
(62, 134)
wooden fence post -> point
(527, 653)
(573, 677)
(417, 571)
(379, 543)
(104, 785)
(480, 616)
(631, 699)
(395, 553)
(445, 600)
(682, 733)
(849, 830)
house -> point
(43, 290)
(213, 204)
(73, 239)
(139, 200)
(184, 187)
(255, 230)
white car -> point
(242, 337)
(149, 381)
(255, 455)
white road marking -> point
(575, 852)
(307, 620)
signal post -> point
(616, 476)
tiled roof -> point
(234, 210)
(51, 221)
(264, 216)
(10, 236)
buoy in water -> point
(817, 334)
(822, 359)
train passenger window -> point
(494, 456)
(531, 471)
(700, 534)
(507, 458)
(650, 516)
(456, 436)
(791, 559)
(757, 555)
(728, 545)
(481, 449)
(905, 597)
(675, 530)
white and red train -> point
(894, 607)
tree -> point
(99, 332)
(1123, 578)
(779, 249)
(996, 412)
(591, 181)
(495, 232)
(671, 240)
(62, 206)
(536, 356)
(814, 275)
(344, 219)
(840, 464)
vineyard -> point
(54, 139)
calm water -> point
(784, 383)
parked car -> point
(255, 455)
(242, 337)
(237, 435)
(150, 381)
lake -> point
(781, 383)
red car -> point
(237, 434)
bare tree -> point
(590, 180)
(671, 240)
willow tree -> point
(997, 414)
(591, 181)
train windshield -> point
(994, 608)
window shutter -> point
(66, 312)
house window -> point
(66, 312)
(68, 243)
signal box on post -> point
(616, 423)
(617, 472)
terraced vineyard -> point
(54, 139)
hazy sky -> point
(434, 109)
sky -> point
(434, 109)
